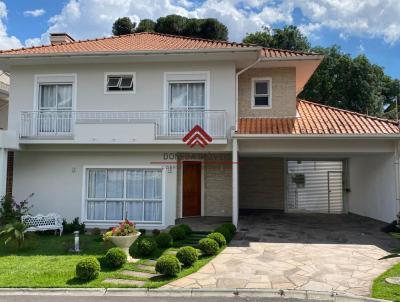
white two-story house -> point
(95, 130)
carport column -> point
(397, 173)
(3, 172)
(235, 182)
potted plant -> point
(123, 236)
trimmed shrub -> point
(209, 246)
(177, 233)
(146, 246)
(230, 226)
(115, 257)
(87, 269)
(224, 231)
(156, 232)
(168, 265)
(186, 228)
(164, 240)
(218, 237)
(187, 255)
(95, 232)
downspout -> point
(237, 91)
(397, 176)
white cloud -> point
(34, 13)
(93, 18)
(363, 18)
(33, 42)
(6, 41)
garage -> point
(314, 186)
(304, 186)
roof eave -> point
(129, 53)
(317, 136)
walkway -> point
(310, 252)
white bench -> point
(43, 223)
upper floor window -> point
(55, 96)
(186, 95)
(261, 93)
(120, 82)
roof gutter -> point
(318, 136)
(237, 90)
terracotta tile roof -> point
(319, 119)
(145, 42)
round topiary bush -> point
(230, 226)
(87, 269)
(164, 240)
(187, 255)
(218, 237)
(209, 246)
(177, 233)
(146, 246)
(168, 265)
(186, 228)
(115, 257)
(224, 231)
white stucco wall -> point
(150, 79)
(56, 178)
(372, 183)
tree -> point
(289, 38)
(146, 25)
(171, 24)
(213, 29)
(344, 82)
(123, 26)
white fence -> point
(166, 123)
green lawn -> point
(383, 290)
(44, 261)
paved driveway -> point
(311, 252)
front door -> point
(191, 188)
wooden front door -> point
(191, 188)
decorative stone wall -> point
(283, 92)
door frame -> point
(201, 161)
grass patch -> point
(383, 290)
(44, 261)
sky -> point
(370, 27)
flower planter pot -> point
(125, 242)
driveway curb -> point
(212, 292)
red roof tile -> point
(319, 119)
(142, 42)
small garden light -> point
(76, 249)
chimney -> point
(60, 38)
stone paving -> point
(310, 252)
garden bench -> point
(43, 223)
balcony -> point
(115, 126)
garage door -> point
(315, 186)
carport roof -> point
(318, 119)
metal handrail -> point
(171, 123)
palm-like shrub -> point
(14, 232)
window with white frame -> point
(186, 103)
(261, 92)
(55, 106)
(120, 82)
(113, 194)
